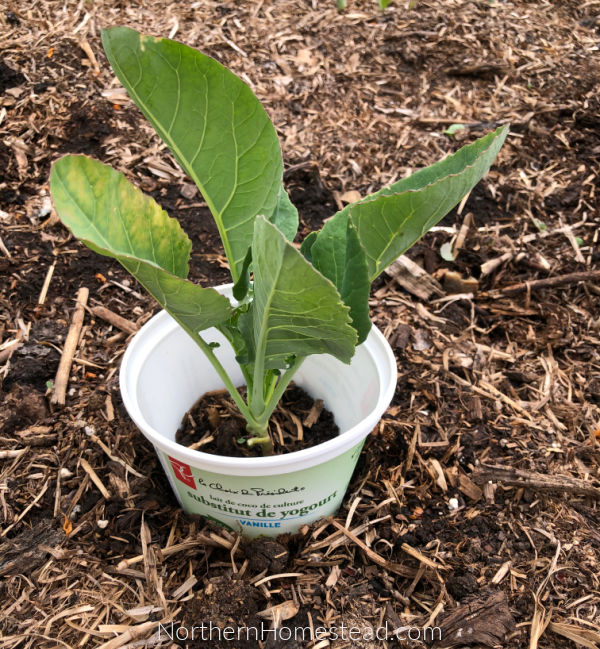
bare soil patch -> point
(214, 425)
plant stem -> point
(263, 417)
(265, 442)
(270, 383)
(258, 427)
(246, 369)
(256, 399)
(281, 386)
(216, 363)
(257, 423)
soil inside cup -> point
(214, 425)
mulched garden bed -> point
(475, 502)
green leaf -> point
(114, 218)
(213, 124)
(453, 129)
(338, 255)
(244, 338)
(390, 221)
(295, 310)
(285, 216)
(307, 244)
(240, 288)
(383, 4)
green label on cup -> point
(268, 505)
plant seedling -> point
(289, 303)
(383, 4)
(453, 129)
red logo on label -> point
(183, 472)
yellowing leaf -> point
(114, 218)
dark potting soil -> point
(214, 425)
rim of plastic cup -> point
(162, 325)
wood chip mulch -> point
(475, 504)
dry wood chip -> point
(334, 575)
(421, 557)
(533, 480)
(64, 368)
(133, 633)
(376, 558)
(501, 573)
(579, 635)
(413, 278)
(350, 196)
(283, 575)
(469, 488)
(94, 476)
(455, 283)
(438, 474)
(113, 318)
(313, 415)
(484, 621)
(279, 612)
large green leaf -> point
(390, 221)
(111, 216)
(214, 125)
(296, 311)
(338, 254)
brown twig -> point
(46, 286)
(536, 481)
(114, 319)
(95, 478)
(547, 282)
(464, 230)
(22, 515)
(11, 454)
(5, 250)
(307, 164)
(8, 351)
(200, 540)
(314, 413)
(133, 633)
(371, 554)
(66, 360)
